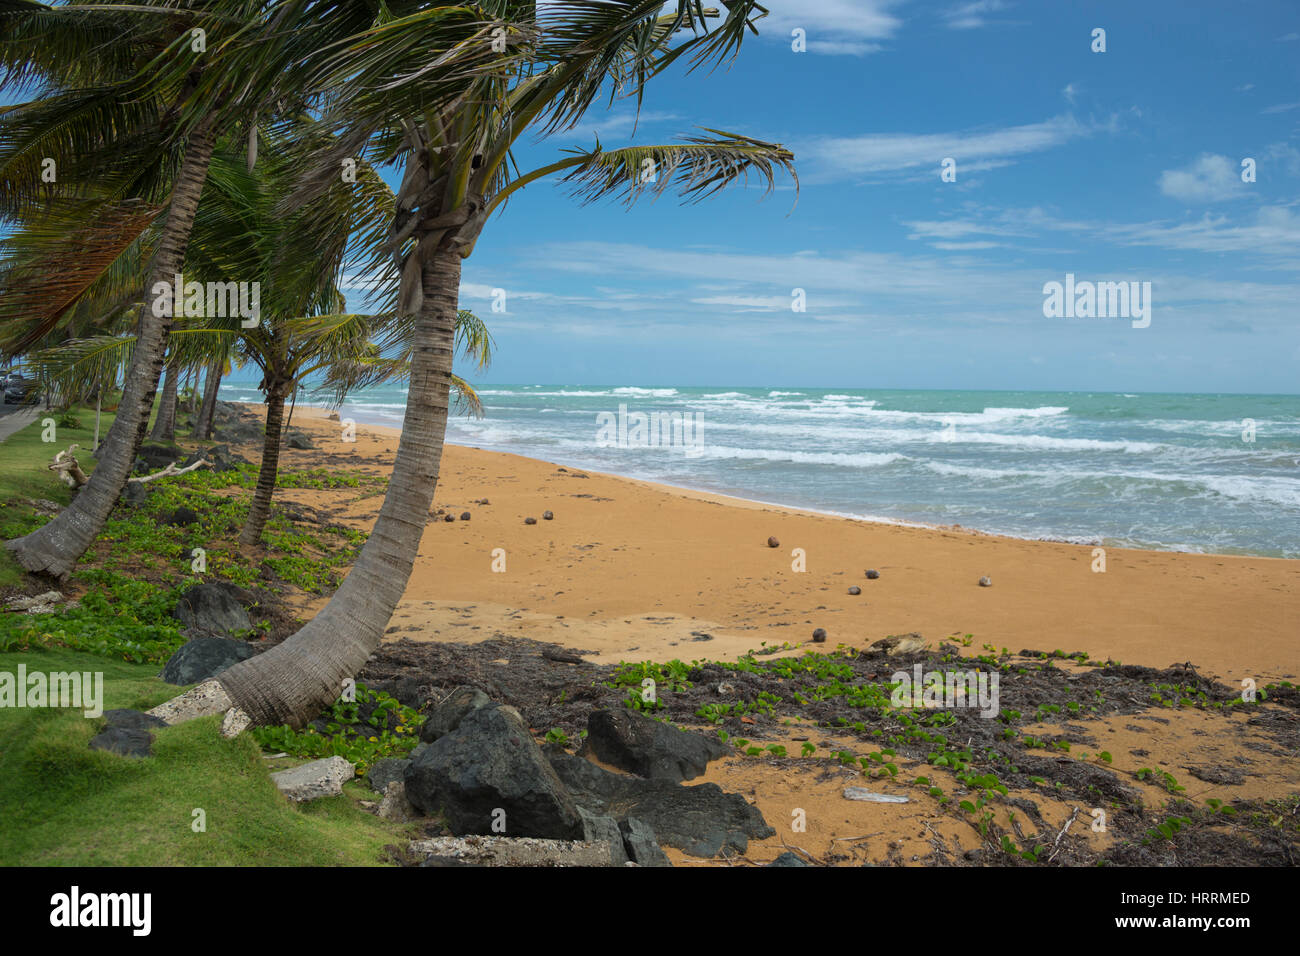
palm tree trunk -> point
(293, 681)
(203, 423)
(164, 426)
(55, 548)
(260, 509)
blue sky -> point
(1122, 165)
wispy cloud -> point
(835, 27)
(1280, 108)
(973, 15)
(900, 152)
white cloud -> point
(1209, 178)
(834, 27)
(1070, 92)
(1279, 108)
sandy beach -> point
(632, 571)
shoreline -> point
(315, 411)
(635, 570)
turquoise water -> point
(1137, 470)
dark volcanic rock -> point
(640, 843)
(604, 829)
(773, 543)
(300, 440)
(182, 517)
(446, 716)
(201, 658)
(239, 431)
(488, 765)
(699, 820)
(530, 521)
(649, 748)
(789, 859)
(819, 636)
(134, 494)
(872, 574)
(157, 455)
(213, 609)
(386, 771)
(132, 720)
(547, 516)
(125, 742)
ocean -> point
(1207, 473)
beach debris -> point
(203, 658)
(649, 748)
(725, 689)
(772, 542)
(509, 851)
(530, 521)
(65, 466)
(481, 501)
(170, 470)
(819, 636)
(319, 778)
(547, 516)
(855, 590)
(464, 516)
(561, 656)
(332, 417)
(897, 644)
(204, 700)
(490, 766)
(39, 604)
(870, 796)
(872, 574)
(986, 582)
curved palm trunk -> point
(55, 548)
(164, 426)
(203, 423)
(260, 509)
(292, 682)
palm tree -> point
(127, 101)
(456, 173)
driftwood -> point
(66, 467)
(172, 470)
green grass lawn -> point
(64, 804)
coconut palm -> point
(456, 173)
(304, 330)
(128, 102)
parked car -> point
(20, 390)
